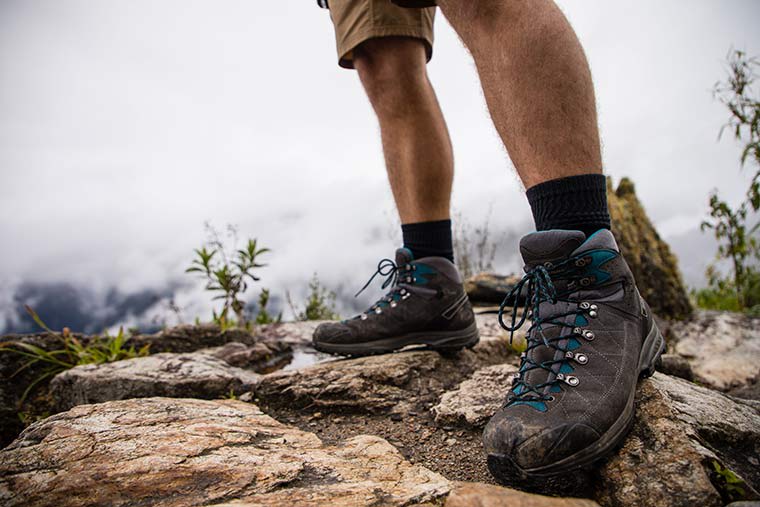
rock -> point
(396, 382)
(723, 348)
(686, 441)
(476, 399)
(181, 452)
(489, 288)
(676, 366)
(194, 375)
(682, 436)
(295, 334)
(751, 391)
(261, 357)
(189, 338)
(654, 266)
(474, 494)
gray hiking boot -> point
(427, 305)
(591, 337)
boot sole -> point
(504, 469)
(443, 341)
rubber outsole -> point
(442, 341)
(505, 470)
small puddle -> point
(303, 357)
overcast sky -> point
(125, 125)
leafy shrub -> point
(320, 303)
(72, 352)
(738, 241)
(263, 316)
(227, 271)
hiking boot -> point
(591, 337)
(427, 305)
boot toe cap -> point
(531, 445)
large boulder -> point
(654, 266)
(722, 348)
(193, 375)
(181, 452)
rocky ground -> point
(396, 429)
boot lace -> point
(398, 277)
(540, 287)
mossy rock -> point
(653, 264)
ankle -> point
(429, 239)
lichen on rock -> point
(654, 266)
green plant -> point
(730, 486)
(227, 271)
(738, 240)
(320, 303)
(72, 352)
(263, 316)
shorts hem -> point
(347, 47)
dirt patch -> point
(456, 453)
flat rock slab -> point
(476, 399)
(390, 382)
(195, 375)
(474, 494)
(182, 452)
(686, 441)
(723, 348)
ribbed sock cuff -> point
(429, 239)
(576, 203)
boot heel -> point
(651, 352)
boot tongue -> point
(404, 256)
(549, 246)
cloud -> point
(126, 125)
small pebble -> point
(451, 441)
(396, 417)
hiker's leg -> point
(415, 139)
(537, 84)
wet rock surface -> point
(722, 348)
(195, 375)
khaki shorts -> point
(359, 20)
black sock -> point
(577, 203)
(429, 239)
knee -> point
(391, 68)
